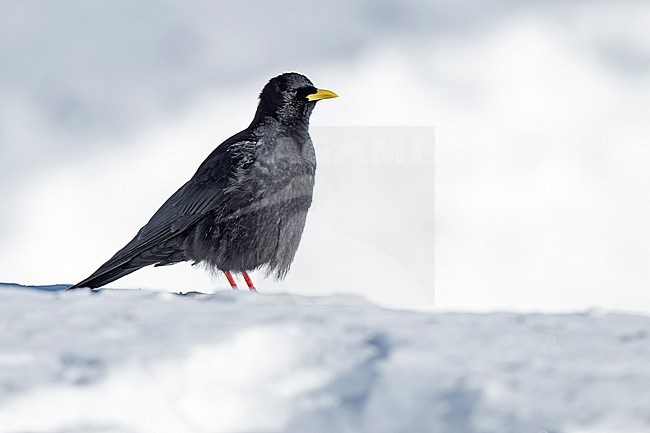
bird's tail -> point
(120, 266)
(102, 276)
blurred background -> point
(540, 110)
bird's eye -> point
(302, 92)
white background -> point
(540, 113)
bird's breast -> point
(284, 171)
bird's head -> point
(290, 98)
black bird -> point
(245, 207)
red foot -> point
(231, 280)
(249, 282)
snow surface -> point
(140, 361)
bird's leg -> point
(249, 282)
(231, 280)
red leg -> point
(231, 280)
(249, 282)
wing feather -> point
(204, 193)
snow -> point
(141, 361)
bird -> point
(246, 206)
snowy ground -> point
(139, 361)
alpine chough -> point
(246, 205)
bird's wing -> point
(205, 192)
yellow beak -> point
(322, 94)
